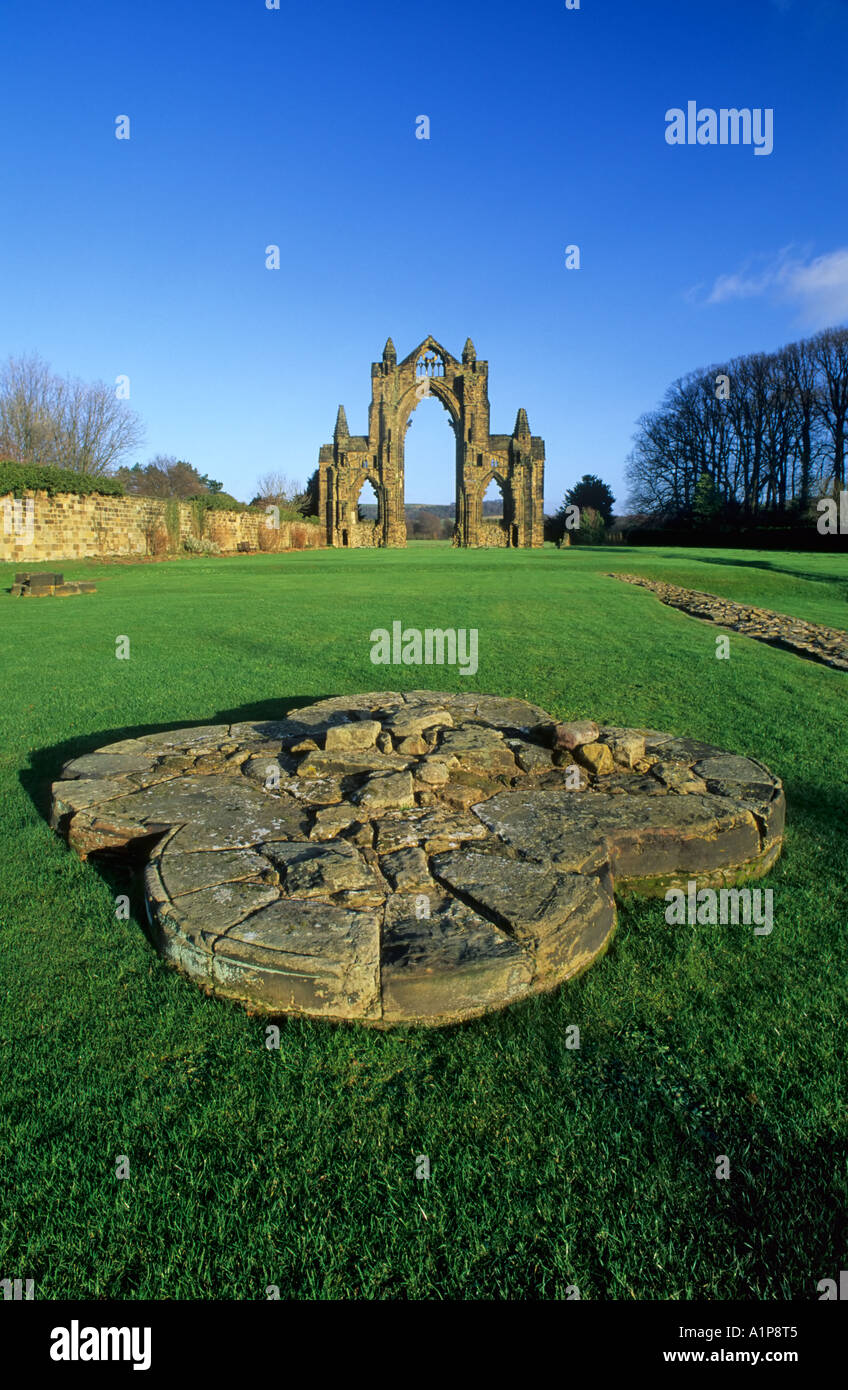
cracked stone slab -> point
(522, 897)
(435, 830)
(304, 957)
(319, 870)
(514, 716)
(186, 873)
(649, 841)
(176, 740)
(540, 826)
(216, 812)
(102, 765)
(451, 961)
(406, 869)
(305, 865)
(80, 794)
(211, 912)
(410, 722)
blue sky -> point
(252, 126)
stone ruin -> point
(516, 461)
(44, 583)
(420, 858)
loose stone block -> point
(47, 583)
(388, 791)
(360, 735)
(628, 748)
(210, 912)
(574, 735)
(412, 721)
(187, 873)
(597, 757)
(406, 869)
(452, 962)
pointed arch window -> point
(493, 506)
(368, 503)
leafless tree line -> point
(46, 419)
(279, 488)
(769, 430)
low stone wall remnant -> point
(415, 858)
(70, 526)
(813, 640)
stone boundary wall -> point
(68, 526)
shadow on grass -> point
(837, 579)
(122, 872)
(822, 806)
(46, 763)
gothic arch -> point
(494, 532)
(445, 397)
(461, 387)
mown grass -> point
(550, 1167)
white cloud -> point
(817, 286)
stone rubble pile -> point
(826, 644)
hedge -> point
(216, 502)
(17, 478)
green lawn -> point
(550, 1167)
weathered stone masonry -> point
(418, 857)
(516, 461)
(69, 526)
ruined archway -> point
(397, 388)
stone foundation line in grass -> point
(826, 644)
(420, 858)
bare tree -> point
(27, 407)
(761, 442)
(655, 466)
(47, 419)
(276, 487)
(800, 368)
(830, 353)
(94, 429)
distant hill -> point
(492, 509)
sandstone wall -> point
(362, 534)
(492, 533)
(70, 527)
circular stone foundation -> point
(410, 858)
